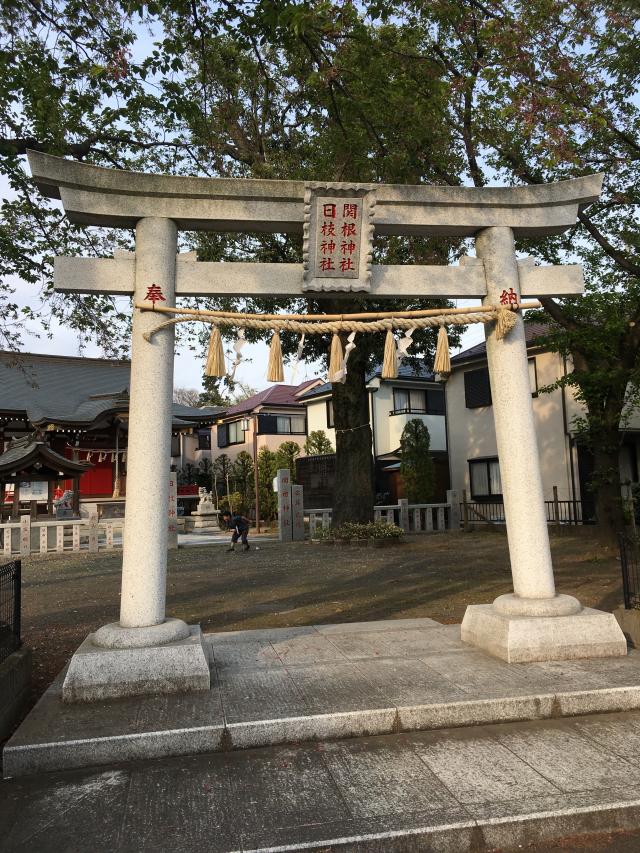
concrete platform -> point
(319, 683)
(451, 791)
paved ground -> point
(286, 685)
(493, 787)
(66, 597)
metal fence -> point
(492, 512)
(630, 565)
(10, 585)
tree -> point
(221, 472)
(242, 476)
(416, 465)
(187, 397)
(286, 456)
(318, 444)
(267, 470)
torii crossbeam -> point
(337, 222)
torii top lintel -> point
(92, 195)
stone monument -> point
(204, 519)
(145, 651)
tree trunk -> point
(607, 492)
(353, 496)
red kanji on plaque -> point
(348, 248)
(509, 297)
(348, 229)
(346, 264)
(154, 294)
(328, 247)
(326, 264)
(329, 229)
(350, 211)
(329, 210)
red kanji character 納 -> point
(326, 264)
(350, 211)
(154, 294)
(348, 229)
(509, 297)
(348, 248)
(328, 229)
(328, 247)
(346, 264)
(329, 210)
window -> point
(294, 424)
(484, 475)
(409, 400)
(533, 377)
(477, 390)
(330, 422)
(175, 445)
(236, 433)
(204, 439)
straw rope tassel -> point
(442, 363)
(390, 360)
(275, 369)
(505, 321)
(335, 359)
(215, 365)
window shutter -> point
(223, 435)
(477, 390)
(267, 424)
(435, 402)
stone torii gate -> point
(147, 652)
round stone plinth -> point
(114, 636)
(559, 605)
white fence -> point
(40, 537)
(413, 518)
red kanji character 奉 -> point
(346, 264)
(348, 248)
(326, 264)
(328, 248)
(329, 210)
(154, 294)
(350, 211)
(348, 229)
(328, 229)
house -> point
(392, 403)
(565, 463)
(81, 407)
(266, 419)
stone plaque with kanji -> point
(338, 232)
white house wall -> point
(317, 419)
(388, 427)
(472, 431)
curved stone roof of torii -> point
(92, 195)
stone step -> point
(319, 683)
(454, 791)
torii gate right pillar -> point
(533, 623)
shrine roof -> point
(276, 395)
(72, 390)
(29, 455)
(479, 351)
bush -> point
(233, 503)
(371, 530)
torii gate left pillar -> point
(145, 651)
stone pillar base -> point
(520, 639)
(97, 672)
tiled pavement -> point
(452, 790)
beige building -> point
(471, 434)
(266, 419)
